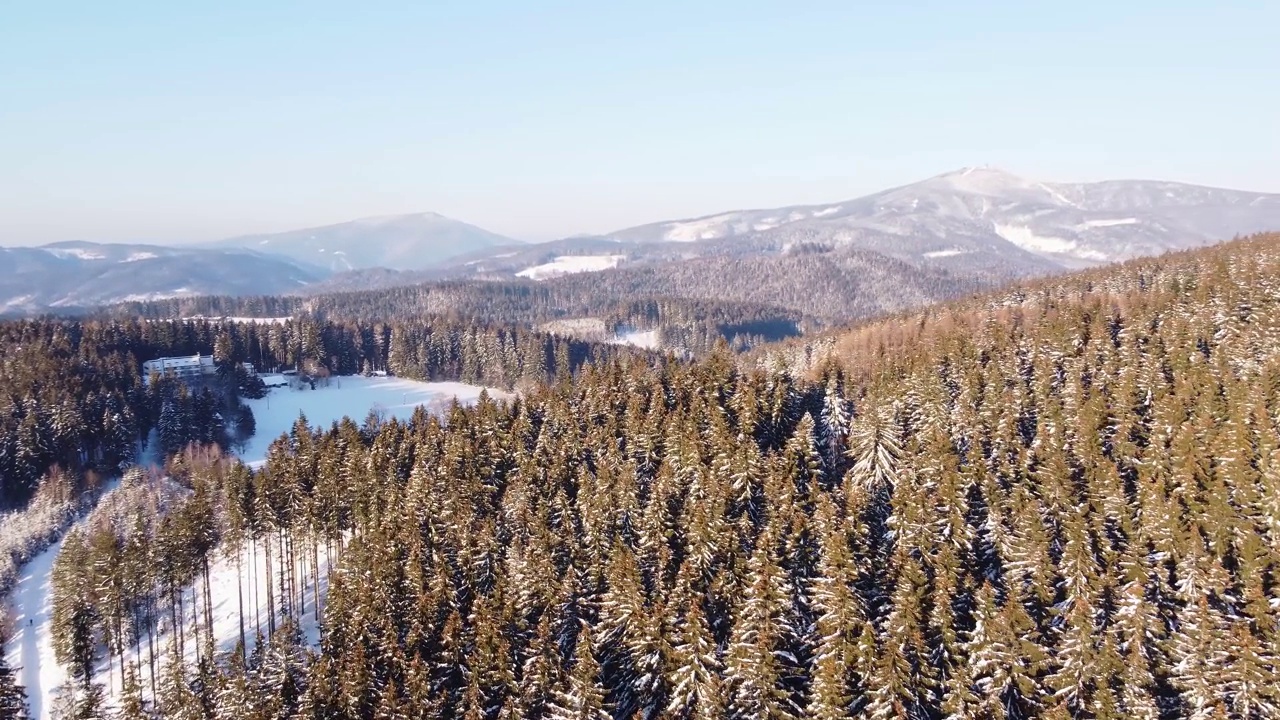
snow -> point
(1026, 238)
(16, 302)
(569, 264)
(1107, 223)
(708, 228)
(273, 380)
(135, 257)
(352, 396)
(249, 320)
(828, 211)
(31, 648)
(647, 339)
(1056, 195)
(147, 297)
(947, 253)
(80, 253)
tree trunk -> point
(195, 616)
(271, 605)
(240, 596)
(208, 603)
(315, 579)
(256, 598)
(151, 649)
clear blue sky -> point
(175, 121)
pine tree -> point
(696, 690)
(583, 698)
(753, 667)
(13, 697)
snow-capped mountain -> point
(975, 216)
(73, 275)
(398, 242)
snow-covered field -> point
(569, 264)
(352, 396)
(31, 648)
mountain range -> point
(978, 224)
(400, 242)
(74, 276)
(982, 211)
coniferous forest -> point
(1058, 501)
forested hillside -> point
(1061, 501)
(693, 303)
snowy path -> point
(31, 648)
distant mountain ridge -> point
(399, 242)
(980, 226)
(993, 214)
(76, 275)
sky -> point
(177, 122)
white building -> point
(184, 368)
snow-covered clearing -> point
(135, 257)
(594, 330)
(1027, 239)
(947, 253)
(80, 253)
(587, 328)
(1106, 223)
(707, 228)
(248, 320)
(570, 264)
(350, 396)
(647, 339)
(148, 297)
